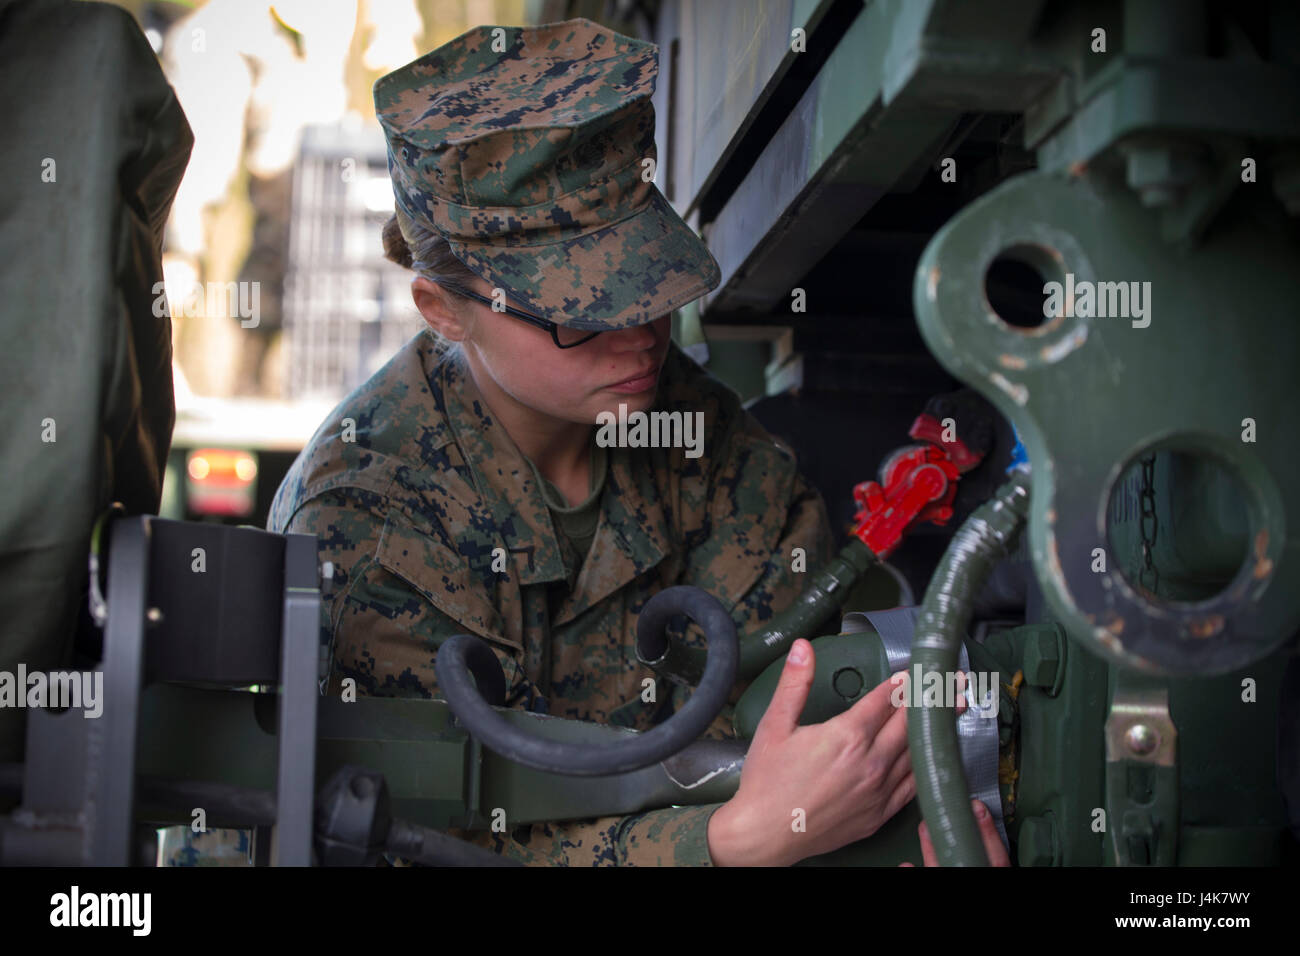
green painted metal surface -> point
(436, 775)
(1140, 149)
(1218, 805)
(1226, 809)
(1091, 394)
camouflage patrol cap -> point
(524, 147)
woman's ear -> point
(440, 310)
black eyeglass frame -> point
(546, 325)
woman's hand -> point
(988, 832)
(809, 790)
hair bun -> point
(395, 247)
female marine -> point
(462, 489)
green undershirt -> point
(577, 523)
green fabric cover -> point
(79, 257)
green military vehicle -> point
(1015, 281)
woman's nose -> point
(642, 336)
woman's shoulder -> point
(389, 435)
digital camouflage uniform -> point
(182, 846)
(528, 158)
(536, 164)
(409, 512)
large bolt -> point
(1159, 173)
(1037, 842)
(1041, 656)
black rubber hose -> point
(806, 617)
(485, 669)
(432, 848)
(941, 787)
(642, 750)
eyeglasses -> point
(563, 336)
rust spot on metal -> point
(1263, 566)
(1207, 626)
(1078, 168)
(932, 283)
(1109, 641)
(1116, 626)
(1011, 361)
(1054, 353)
(1051, 516)
(1019, 394)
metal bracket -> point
(1162, 385)
(1141, 776)
(299, 690)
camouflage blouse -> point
(411, 486)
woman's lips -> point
(634, 385)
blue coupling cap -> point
(1019, 457)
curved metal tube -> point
(461, 654)
(941, 786)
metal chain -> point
(1148, 520)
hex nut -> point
(1037, 842)
(1041, 657)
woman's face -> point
(572, 385)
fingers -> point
(870, 714)
(901, 768)
(928, 856)
(901, 797)
(889, 736)
(791, 694)
(989, 834)
(997, 852)
(891, 740)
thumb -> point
(782, 715)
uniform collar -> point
(631, 537)
(502, 477)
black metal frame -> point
(79, 777)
